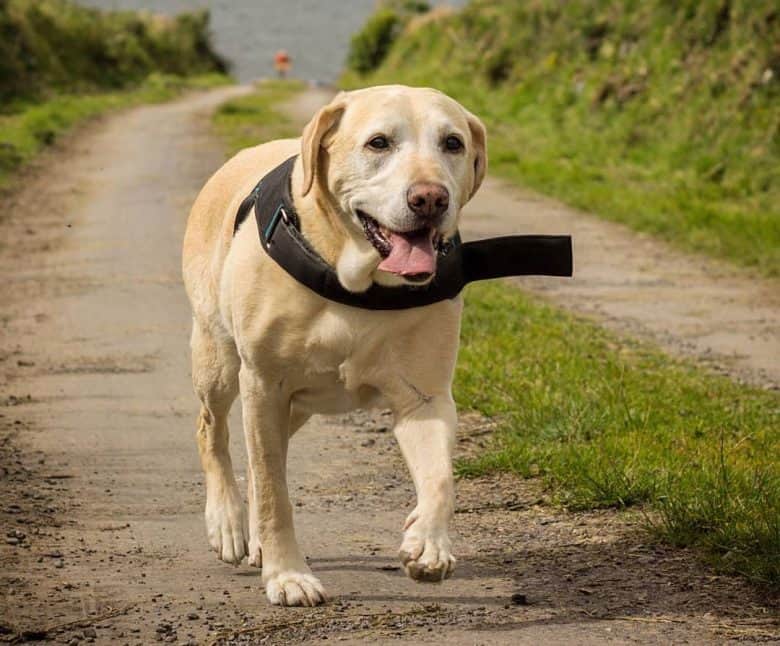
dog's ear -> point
(479, 142)
(323, 122)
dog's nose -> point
(427, 199)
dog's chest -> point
(331, 345)
(335, 365)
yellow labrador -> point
(381, 177)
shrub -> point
(55, 45)
(370, 45)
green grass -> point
(659, 115)
(612, 423)
(606, 422)
(36, 125)
(255, 118)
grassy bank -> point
(53, 46)
(61, 64)
(604, 421)
(659, 115)
(610, 423)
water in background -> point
(315, 33)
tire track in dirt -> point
(102, 498)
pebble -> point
(193, 615)
(519, 599)
(90, 633)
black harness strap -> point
(457, 263)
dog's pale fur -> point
(291, 353)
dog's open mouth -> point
(410, 254)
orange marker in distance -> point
(282, 63)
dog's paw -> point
(227, 528)
(290, 588)
(426, 556)
(255, 557)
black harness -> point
(457, 264)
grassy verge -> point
(606, 422)
(611, 423)
(36, 125)
(252, 119)
(659, 115)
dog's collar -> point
(457, 263)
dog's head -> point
(397, 164)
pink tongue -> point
(412, 253)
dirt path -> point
(637, 285)
(102, 496)
(633, 283)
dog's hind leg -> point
(267, 425)
(215, 366)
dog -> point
(381, 176)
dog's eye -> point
(453, 144)
(379, 142)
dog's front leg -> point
(287, 578)
(426, 436)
